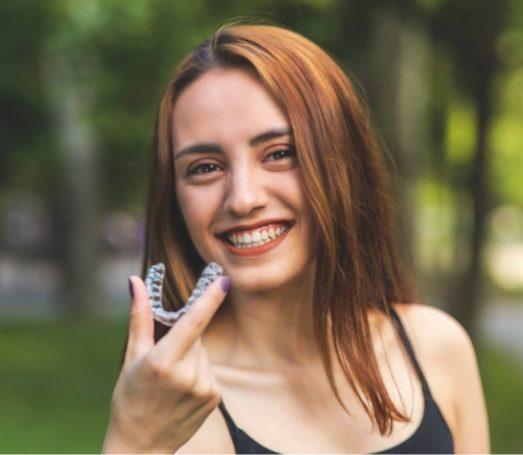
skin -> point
(258, 348)
(270, 298)
(163, 386)
(261, 343)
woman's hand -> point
(165, 391)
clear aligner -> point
(154, 284)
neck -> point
(271, 330)
(266, 329)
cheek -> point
(296, 194)
(197, 205)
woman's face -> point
(238, 183)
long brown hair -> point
(357, 267)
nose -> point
(244, 192)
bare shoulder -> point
(447, 356)
(211, 437)
(434, 330)
(440, 342)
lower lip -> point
(255, 250)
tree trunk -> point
(76, 202)
(478, 62)
(399, 50)
(468, 301)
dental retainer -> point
(154, 285)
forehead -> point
(226, 106)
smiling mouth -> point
(255, 241)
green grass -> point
(502, 378)
(56, 380)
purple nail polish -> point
(225, 283)
(131, 290)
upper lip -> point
(245, 227)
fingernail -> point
(225, 283)
(131, 289)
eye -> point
(202, 168)
(208, 167)
(281, 154)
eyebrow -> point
(211, 147)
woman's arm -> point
(472, 435)
(445, 351)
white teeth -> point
(255, 238)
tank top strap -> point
(410, 352)
(228, 419)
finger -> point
(141, 324)
(189, 361)
(194, 350)
(206, 369)
(203, 386)
(191, 325)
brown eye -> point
(202, 168)
(281, 154)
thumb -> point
(141, 323)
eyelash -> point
(192, 171)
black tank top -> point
(432, 435)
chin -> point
(265, 277)
(248, 285)
(287, 265)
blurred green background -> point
(80, 81)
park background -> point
(80, 81)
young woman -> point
(265, 163)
